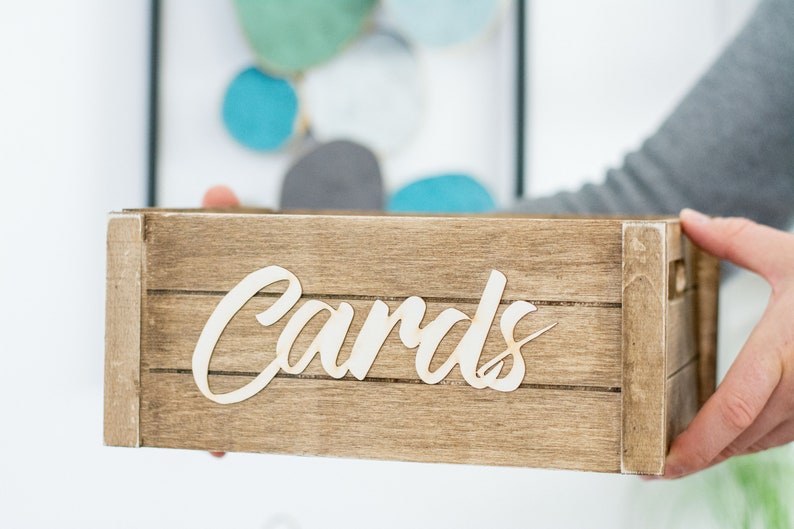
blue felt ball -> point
(259, 111)
(447, 193)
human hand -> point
(753, 407)
(218, 197)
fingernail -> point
(692, 216)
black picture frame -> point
(153, 122)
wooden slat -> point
(582, 350)
(412, 422)
(682, 400)
(680, 332)
(122, 330)
(645, 269)
(708, 273)
(546, 259)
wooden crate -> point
(573, 343)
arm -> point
(727, 149)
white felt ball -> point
(369, 94)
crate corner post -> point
(644, 313)
(122, 329)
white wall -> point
(72, 136)
(603, 75)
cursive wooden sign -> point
(376, 328)
(566, 343)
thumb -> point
(761, 249)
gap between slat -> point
(351, 297)
(380, 380)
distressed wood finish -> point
(391, 420)
(706, 306)
(123, 330)
(547, 259)
(604, 390)
(645, 294)
(669, 339)
(561, 358)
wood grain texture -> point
(675, 241)
(707, 305)
(645, 293)
(600, 389)
(681, 400)
(680, 332)
(122, 330)
(566, 414)
(544, 260)
(411, 422)
(559, 357)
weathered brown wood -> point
(601, 390)
(412, 422)
(645, 294)
(560, 357)
(122, 330)
(682, 400)
(544, 260)
(680, 332)
(691, 254)
(674, 239)
(708, 273)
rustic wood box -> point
(565, 343)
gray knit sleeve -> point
(727, 149)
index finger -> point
(764, 250)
